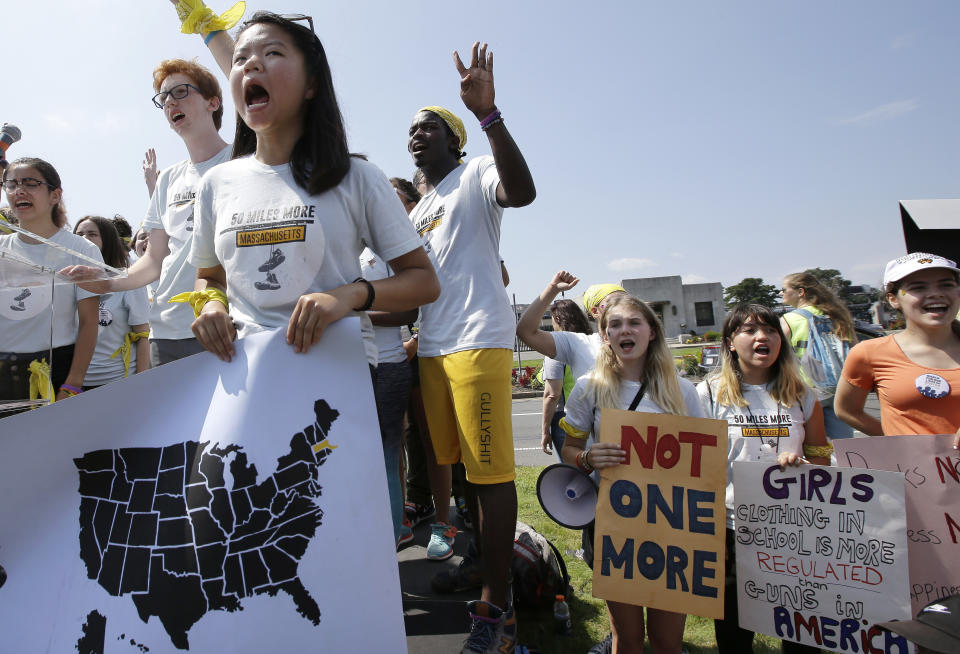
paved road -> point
(526, 430)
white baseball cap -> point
(911, 263)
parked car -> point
(710, 357)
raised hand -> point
(564, 281)
(150, 170)
(476, 82)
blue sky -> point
(713, 140)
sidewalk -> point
(434, 623)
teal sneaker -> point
(442, 536)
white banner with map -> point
(204, 506)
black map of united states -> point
(162, 526)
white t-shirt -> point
(581, 405)
(459, 222)
(172, 210)
(579, 351)
(117, 312)
(759, 431)
(25, 312)
(278, 242)
(389, 340)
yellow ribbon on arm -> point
(198, 18)
(197, 299)
(40, 384)
(124, 350)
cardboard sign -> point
(821, 555)
(204, 506)
(932, 470)
(660, 515)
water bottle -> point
(561, 614)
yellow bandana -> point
(124, 350)
(198, 18)
(40, 384)
(452, 121)
(595, 294)
(197, 299)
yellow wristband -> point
(818, 450)
(197, 299)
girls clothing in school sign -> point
(821, 555)
(204, 506)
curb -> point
(522, 395)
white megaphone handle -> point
(577, 487)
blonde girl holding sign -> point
(634, 371)
(772, 415)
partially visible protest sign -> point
(821, 555)
(660, 515)
(932, 471)
(204, 506)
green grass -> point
(589, 614)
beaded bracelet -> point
(491, 120)
(583, 463)
(70, 390)
(818, 450)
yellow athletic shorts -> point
(468, 400)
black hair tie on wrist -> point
(371, 294)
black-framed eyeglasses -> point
(178, 92)
(10, 185)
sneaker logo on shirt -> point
(104, 316)
(18, 304)
(271, 283)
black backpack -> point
(539, 572)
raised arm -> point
(516, 188)
(528, 328)
(197, 18)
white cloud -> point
(693, 279)
(58, 122)
(627, 264)
(902, 41)
(884, 112)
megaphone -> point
(568, 495)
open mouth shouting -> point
(627, 345)
(255, 96)
(177, 117)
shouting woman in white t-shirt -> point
(772, 415)
(35, 194)
(279, 229)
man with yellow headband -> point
(466, 336)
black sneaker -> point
(417, 513)
(605, 646)
(276, 258)
(271, 284)
(465, 576)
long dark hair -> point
(113, 251)
(58, 214)
(785, 383)
(570, 317)
(320, 158)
